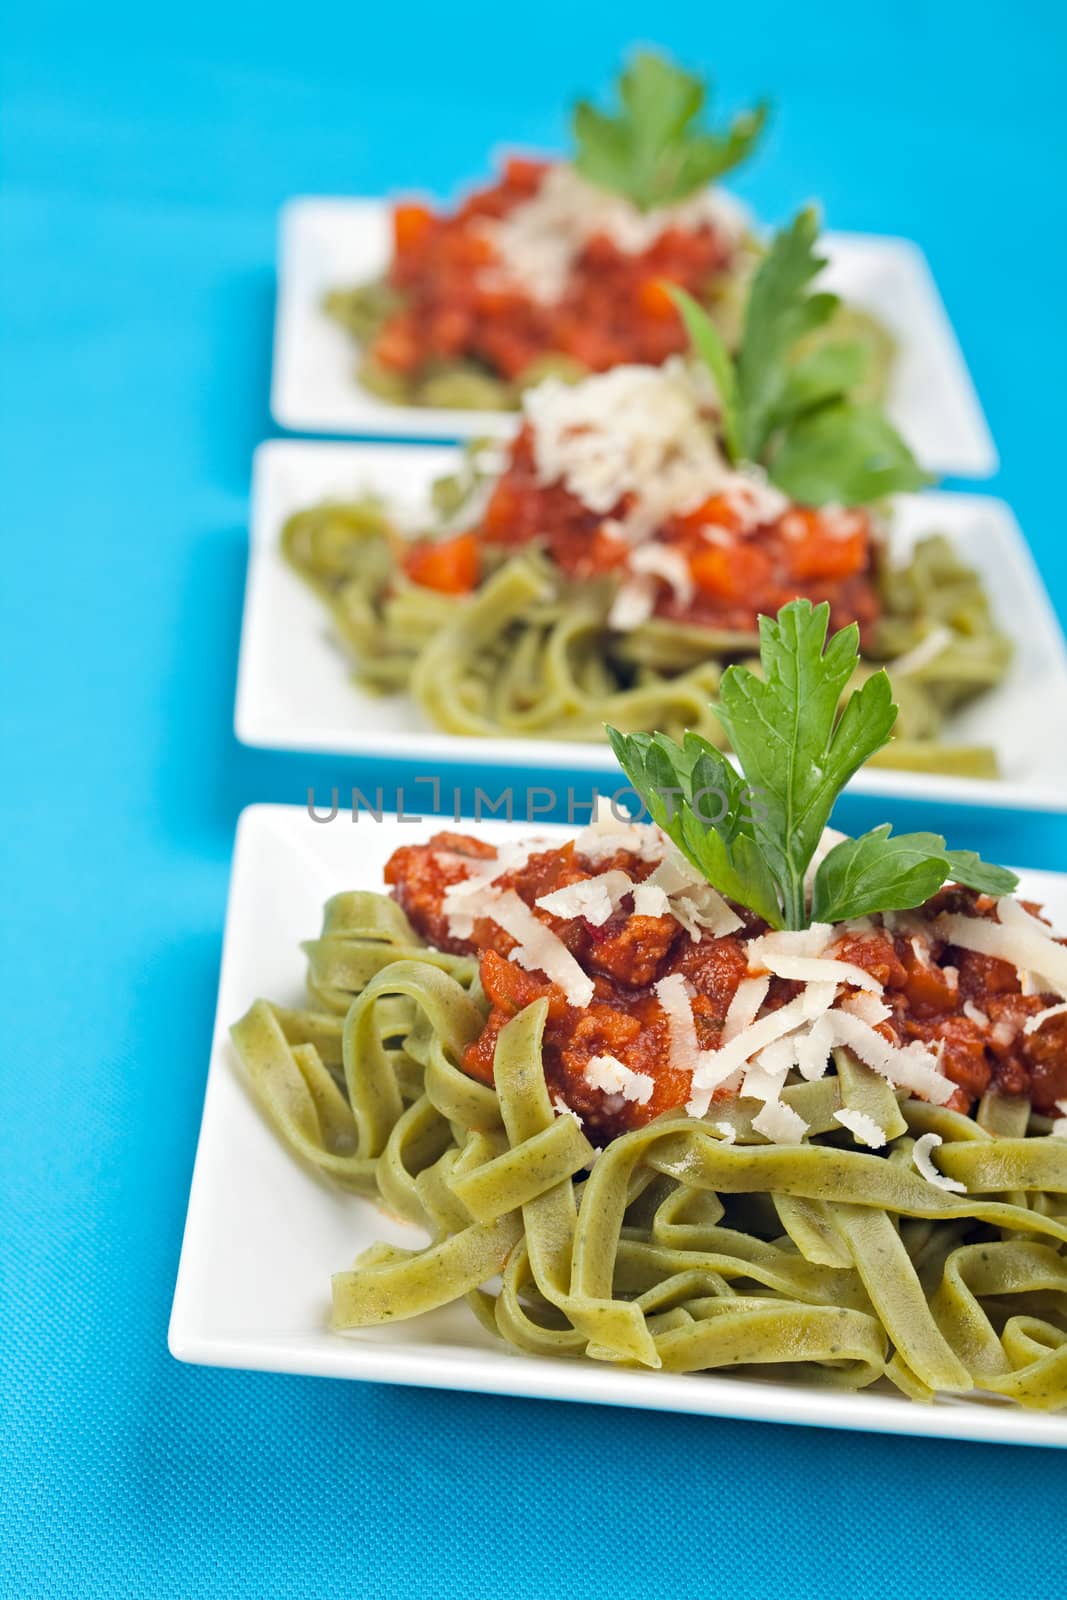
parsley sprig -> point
(753, 835)
(790, 413)
(655, 151)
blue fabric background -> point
(146, 151)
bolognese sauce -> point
(969, 1008)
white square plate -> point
(294, 691)
(325, 244)
(263, 1234)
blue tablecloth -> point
(146, 152)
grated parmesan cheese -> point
(537, 948)
(1013, 914)
(691, 900)
(596, 899)
(673, 994)
(634, 431)
(1032, 1024)
(463, 901)
(910, 1066)
(560, 1106)
(663, 561)
(921, 1155)
(923, 654)
(813, 970)
(780, 1123)
(867, 1007)
(608, 833)
(538, 242)
(614, 1077)
(827, 840)
(633, 604)
(715, 1066)
(744, 1007)
(863, 1128)
(1026, 946)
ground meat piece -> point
(635, 950)
(1046, 1055)
(982, 976)
(930, 991)
(874, 953)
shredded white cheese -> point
(814, 1047)
(691, 899)
(975, 1014)
(715, 1066)
(537, 948)
(607, 832)
(666, 562)
(812, 969)
(1032, 1024)
(1030, 947)
(780, 1123)
(910, 1066)
(867, 1007)
(562, 1109)
(827, 840)
(775, 1059)
(921, 1155)
(744, 1008)
(633, 604)
(1013, 914)
(670, 890)
(596, 899)
(754, 500)
(614, 1077)
(538, 242)
(863, 1128)
(728, 1131)
(673, 994)
(636, 431)
(464, 901)
(923, 654)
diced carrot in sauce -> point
(828, 547)
(452, 567)
(717, 512)
(411, 223)
(730, 572)
(654, 298)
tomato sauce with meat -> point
(613, 309)
(969, 1006)
(739, 566)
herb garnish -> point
(755, 837)
(793, 414)
(654, 152)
